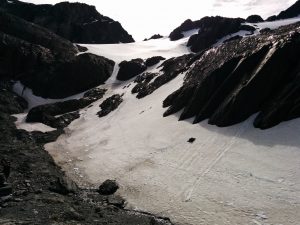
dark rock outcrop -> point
(46, 62)
(77, 22)
(108, 187)
(254, 19)
(10, 102)
(129, 69)
(153, 37)
(232, 82)
(153, 60)
(236, 37)
(291, 12)
(68, 110)
(110, 104)
(170, 69)
(211, 29)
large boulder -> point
(240, 78)
(77, 22)
(153, 60)
(71, 77)
(254, 19)
(129, 69)
(45, 62)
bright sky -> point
(143, 18)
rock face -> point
(46, 62)
(129, 69)
(68, 110)
(77, 22)
(110, 104)
(153, 37)
(230, 83)
(210, 30)
(254, 19)
(170, 69)
(291, 12)
(153, 60)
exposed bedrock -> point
(77, 22)
(61, 114)
(130, 69)
(45, 62)
(147, 83)
(110, 104)
(228, 84)
(211, 29)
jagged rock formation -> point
(77, 22)
(210, 30)
(291, 12)
(153, 37)
(230, 83)
(61, 114)
(129, 69)
(110, 104)
(254, 19)
(170, 69)
(153, 60)
(45, 62)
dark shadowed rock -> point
(211, 29)
(265, 31)
(129, 69)
(236, 37)
(292, 11)
(232, 82)
(191, 140)
(271, 18)
(46, 62)
(108, 187)
(11, 102)
(64, 186)
(153, 60)
(185, 26)
(170, 69)
(110, 104)
(254, 19)
(153, 37)
(68, 110)
(77, 22)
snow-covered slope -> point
(234, 175)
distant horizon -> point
(144, 19)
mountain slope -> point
(161, 172)
(291, 12)
(77, 22)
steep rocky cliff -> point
(46, 62)
(229, 83)
(77, 22)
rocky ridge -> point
(229, 83)
(77, 22)
(45, 62)
(210, 30)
